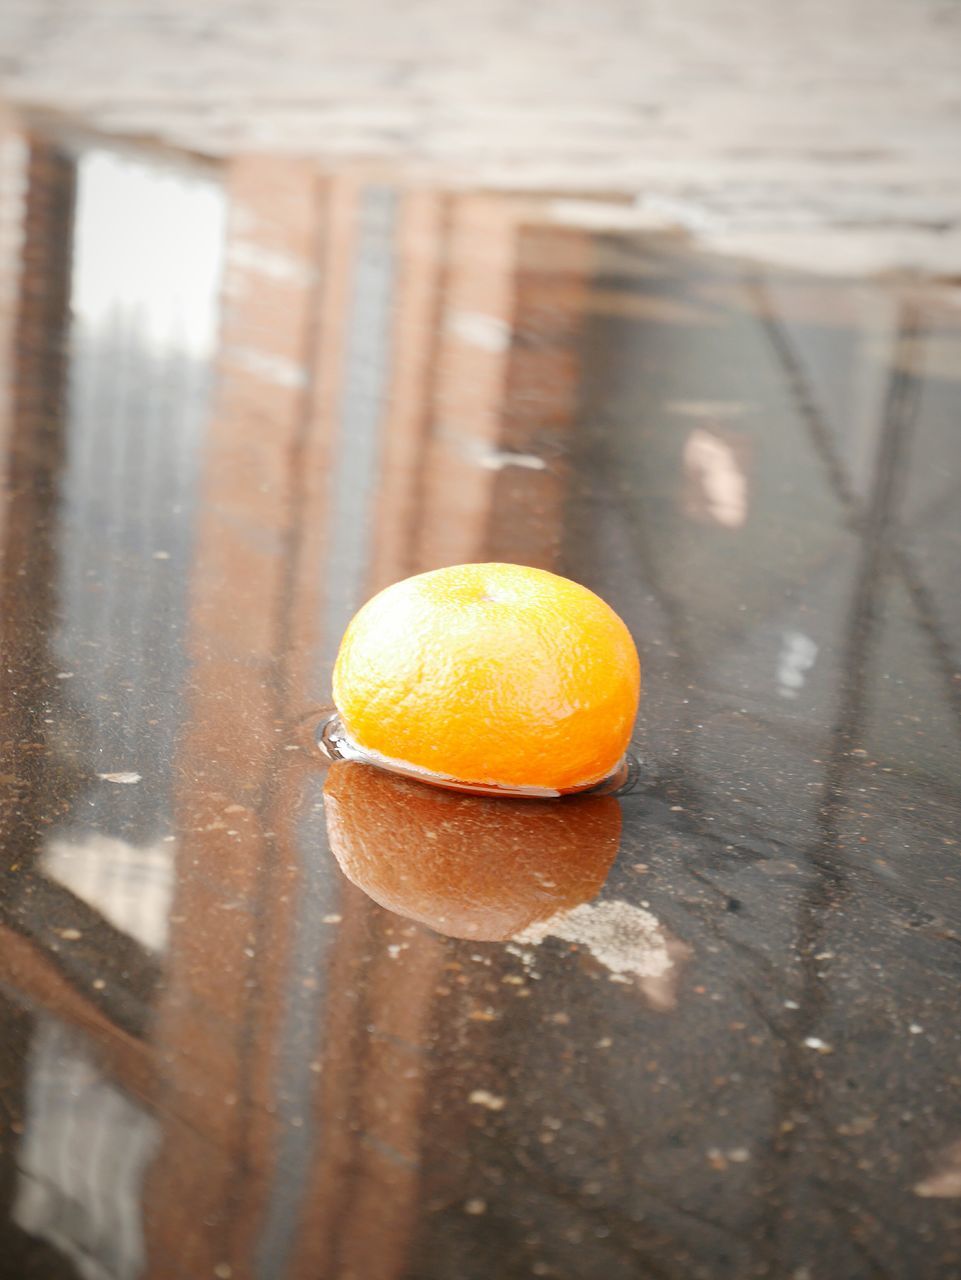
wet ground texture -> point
(707, 1029)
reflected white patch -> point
(628, 941)
(945, 1182)
(798, 655)
(269, 367)
(713, 466)
(497, 461)
(148, 247)
(487, 332)
(713, 409)
(249, 256)
(484, 1098)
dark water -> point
(718, 1034)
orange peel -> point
(490, 674)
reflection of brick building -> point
(383, 363)
(358, 322)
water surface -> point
(239, 400)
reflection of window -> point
(147, 249)
(130, 886)
(81, 1160)
(715, 484)
(144, 315)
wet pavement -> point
(252, 1029)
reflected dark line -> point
(877, 524)
(36, 450)
(672, 781)
(802, 390)
(128, 973)
(799, 1086)
(675, 783)
(879, 533)
(822, 438)
(923, 600)
(608, 471)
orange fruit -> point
(492, 674)
(467, 866)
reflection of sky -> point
(148, 241)
(148, 245)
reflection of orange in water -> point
(491, 673)
(467, 866)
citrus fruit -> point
(466, 866)
(492, 674)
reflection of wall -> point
(805, 792)
(395, 371)
(216, 1023)
(502, 319)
